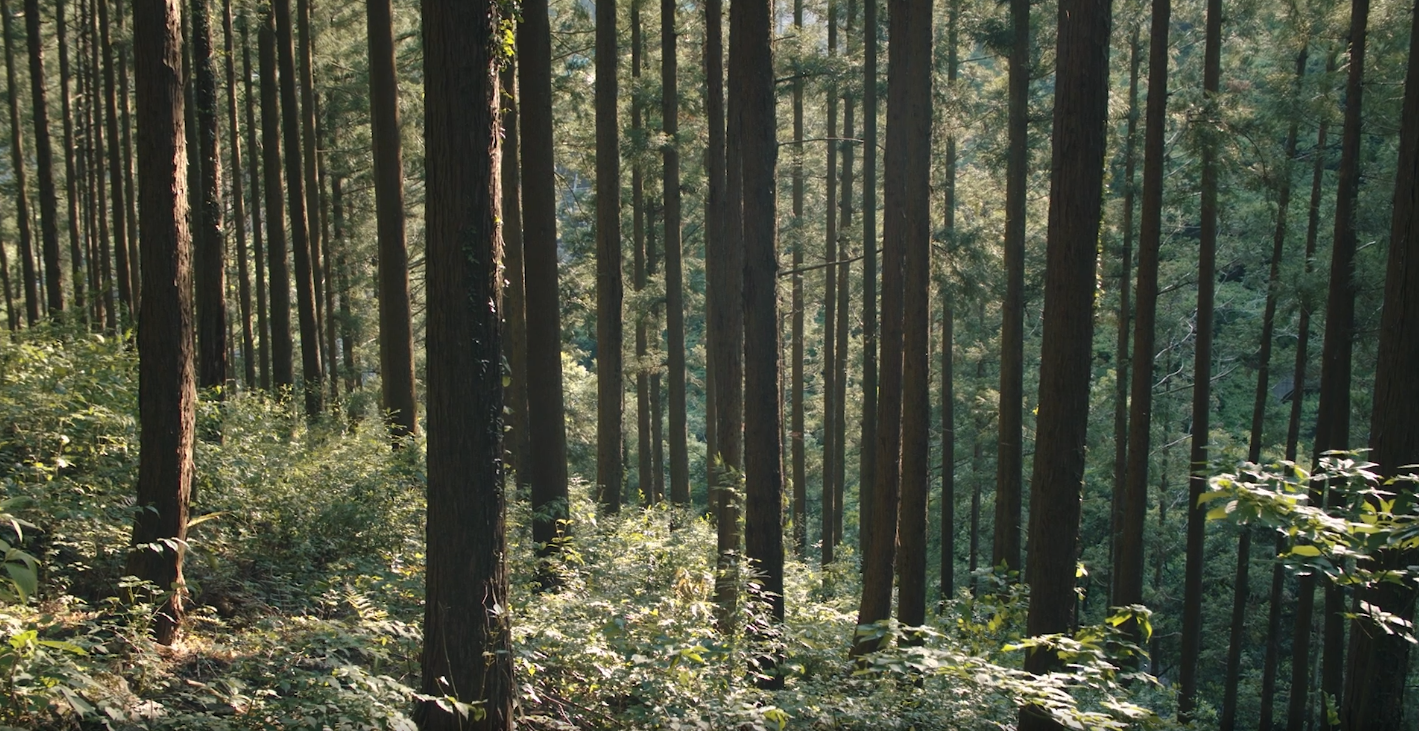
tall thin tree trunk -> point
(1076, 199)
(99, 194)
(1130, 547)
(310, 168)
(948, 395)
(799, 516)
(515, 295)
(674, 274)
(643, 435)
(166, 389)
(28, 274)
(609, 289)
(44, 164)
(396, 339)
(830, 300)
(296, 202)
(1121, 357)
(838, 417)
(129, 195)
(1201, 373)
(11, 319)
(1009, 463)
(263, 332)
(248, 349)
(468, 643)
(209, 240)
(326, 122)
(282, 376)
(763, 448)
(867, 444)
(71, 187)
(546, 412)
(121, 247)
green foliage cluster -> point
(305, 576)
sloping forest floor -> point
(305, 572)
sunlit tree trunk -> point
(116, 182)
(948, 395)
(238, 203)
(1121, 357)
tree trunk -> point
(327, 255)
(166, 390)
(310, 169)
(467, 640)
(867, 444)
(1379, 662)
(1240, 589)
(839, 415)
(396, 340)
(644, 478)
(248, 350)
(948, 397)
(763, 448)
(545, 412)
(674, 286)
(296, 203)
(910, 126)
(609, 294)
(11, 320)
(1009, 463)
(1333, 413)
(796, 428)
(1076, 198)
(129, 196)
(282, 377)
(109, 261)
(208, 238)
(28, 275)
(263, 333)
(71, 186)
(121, 247)
(830, 301)
(44, 164)
(1121, 358)
(1130, 547)
(1201, 372)
(515, 294)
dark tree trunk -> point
(328, 122)
(948, 397)
(248, 350)
(310, 169)
(208, 238)
(867, 444)
(296, 203)
(44, 164)
(830, 301)
(674, 277)
(609, 328)
(1009, 463)
(546, 413)
(1201, 374)
(1121, 358)
(1240, 588)
(724, 229)
(837, 419)
(349, 327)
(1379, 661)
(799, 516)
(166, 389)
(467, 640)
(71, 186)
(129, 195)
(11, 318)
(282, 377)
(116, 181)
(396, 339)
(909, 125)
(515, 294)
(28, 275)
(263, 333)
(1130, 547)
(98, 193)
(1076, 197)
(1333, 413)
(644, 478)
(763, 447)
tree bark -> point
(830, 300)
(948, 397)
(310, 169)
(1121, 357)
(11, 318)
(121, 247)
(263, 333)
(166, 388)
(799, 516)
(609, 293)
(248, 349)
(545, 413)
(282, 376)
(644, 478)
(208, 238)
(867, 444)
(29, 276)
(515, 294)
(109, 262)
(44, 165)
(1076, 198)
(467, 639)
(296, 203)
(76, 256)
(129, 196)
(1009, 463)
(674, 277)
(838, 417)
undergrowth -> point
(305, 574)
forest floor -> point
(305, 573)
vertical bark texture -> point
(167, 392)
(674, 276)
(248, 357)
(208, 238)
(609, 328)
(1121, 359)
(867, 444)
(116, 181)
(396, 339)
(263, 332)
(71, 189)
(948, 397)
(515, 294)
(796, 426)
(282, 375)
(29, 276)
(1076, 196)
(44, 165)
(638, 273)
(837, 420)
(467, 640)
(545, 412)
(830, 300)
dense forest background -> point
(680, 549)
